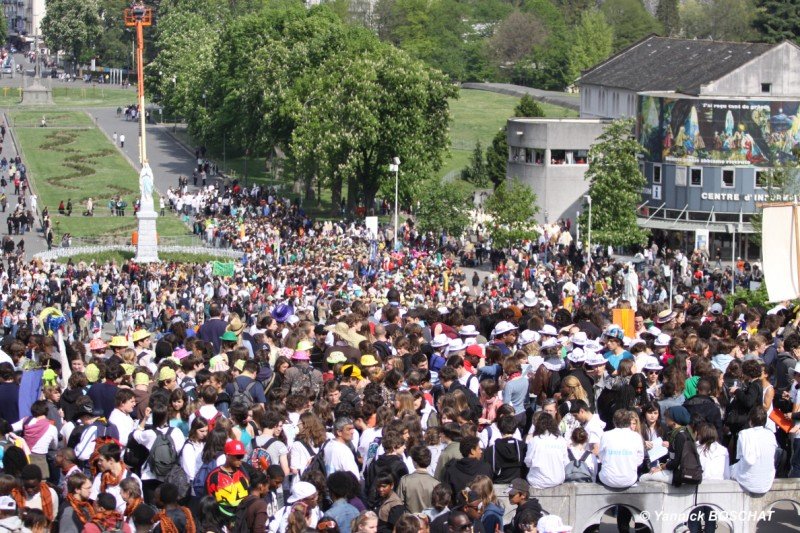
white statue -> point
(146, 188)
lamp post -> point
(577, 228)
(589, 201)
(395, 167)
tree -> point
(3, 27)
(592, 42)
(497, 158)
(630, 21)
(512, 208)
(476, 172)
(515, 37)
(528, 107)
(777, 20)
(72, 26)
(444, 207)
(720, 20)
(615, 187)
(667, 14)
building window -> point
(581, 157)
(656, 173)
(680, 176)
(696, 177)
(558, 157)
(514, 153)
(728, 178)
(762, 179)
(766, 88)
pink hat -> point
(180, 353)
(97, 344)
(301, 355)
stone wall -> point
(56, 253)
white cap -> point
(301, 491)
(7, 503)
(552, 524)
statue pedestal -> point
(37, 94)
(147, 245)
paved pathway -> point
(571, 101)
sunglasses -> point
(325, 526)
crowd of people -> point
(329, 382)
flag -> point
(222, 269)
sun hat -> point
(552, 524)
(235, 324)
(580, 338)
(305, 345)
(528, 336)
(180, 353)
(595, 359)
(439, 341)
(648, 367)
(140, 334)
(456, 345)
(118, 341)
(235, 447)
(652, 330)
(468, 330)
(577, 355)
(593, 346)
(443, 310)
(166, 373)
(548, 329)
(530, 299)
(229, 336)
(300, 491)
(503, 327)
(665, 316)
(92, 373)
(301, 355)
(369, 360)
(97, 344)
(336, 357)
(662, 340)
(128, 368)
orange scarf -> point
(131, 506)
(107, 519)
(168, 526)
(109, 479)
(47, 500)
(83, 510)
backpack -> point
(118, 525)
(241, 396)
(259, 458)
(317, 463)
(199, 481)
(577, 470)
(305, 381)
(100, 440)
(178, 477)
(135, 454)
(690, 471)
(240, 526)
(163, 455)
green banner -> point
(222, 269)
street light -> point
(732, 230)
(589, 201)
(395, 167)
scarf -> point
(131, 506)
(106, 519)
(47, 500)
(83, 510)
(168, 526)
(109, 479)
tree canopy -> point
(72, 25)
(512, 208)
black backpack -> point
(163, 455)
(240, 526)
(243, 396)
(135, 454)
(317, 463)
(690, 471)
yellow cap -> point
(118, 341)
(239, 365)
(166, 373)
(141, 379)
(140, 334)
(129, 368)
(92, 373)
(304, 346)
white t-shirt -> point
(48, 440)
(339, 458)
(755, 451)
(491, 433)
(621, 452)
(191, 458)
(124, 424)
(299, 458)
(715, 462)
(148, 437)
(546, 458)
(276, 449)
(595, 427)
(470, 381)
(113, 489)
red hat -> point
(475, 350)
(235, 447)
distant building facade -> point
(24, 19)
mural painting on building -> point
(719, 132)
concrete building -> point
(24, 18)
(715, 118)
(551, 157)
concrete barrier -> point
(660, 507)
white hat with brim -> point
(468, 331)
(301, 491)
(662, 340)
(530, 299)
(548, 329)
(528, 336)
(503, 328)
(456, 345)
(580, 338)
(577, 355)
(595, 360)
(440, 341)
(552, 524)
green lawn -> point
(32, 119)
(78, 163)
(120, 257)
(78, 96)
(477, 115)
